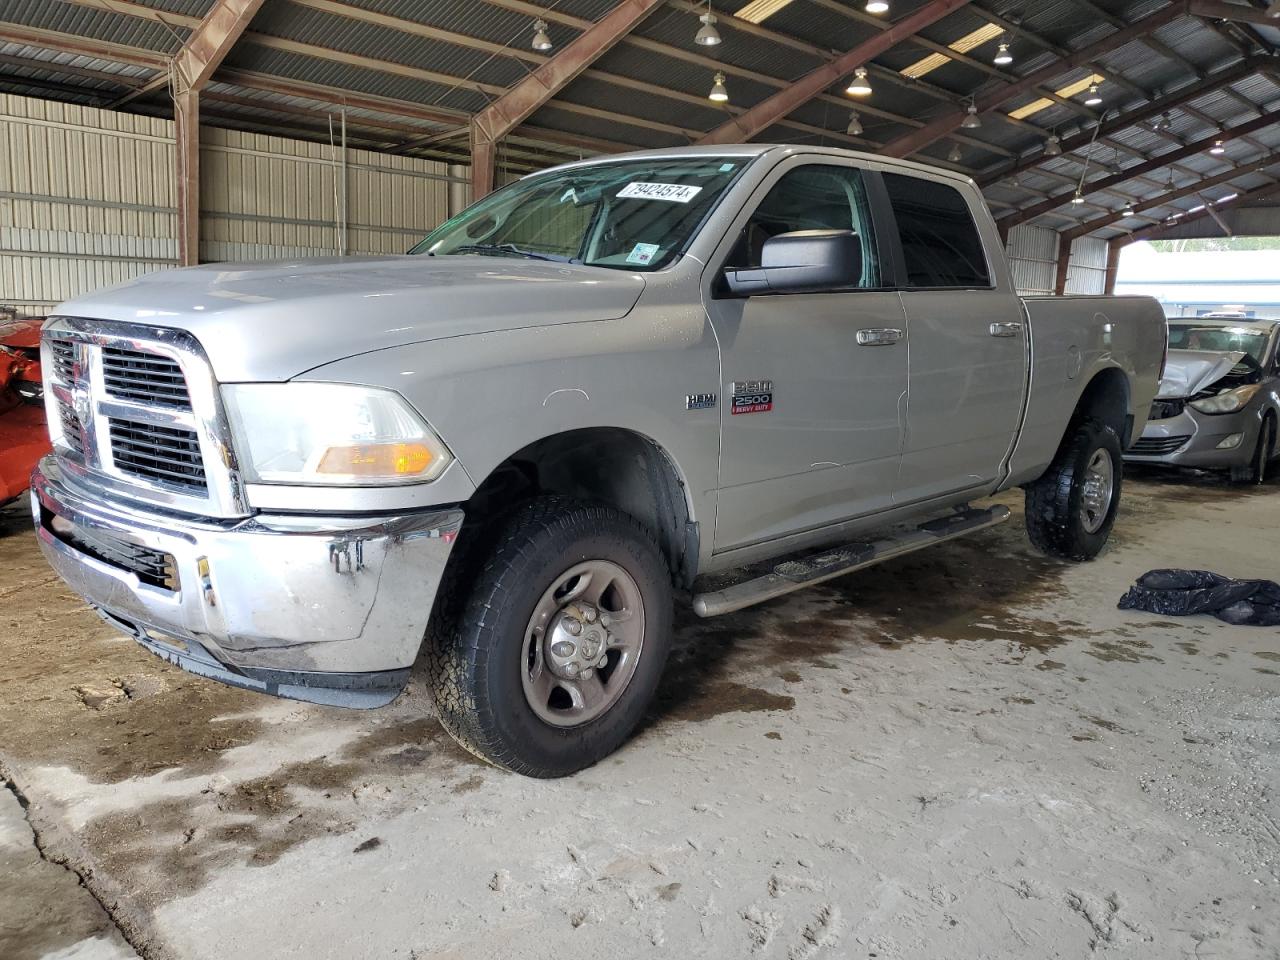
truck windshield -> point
(1190, 336)
(629, 215)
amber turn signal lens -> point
(377, 460)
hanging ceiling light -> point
(541, 39)
(1078, 198)
(855, 125)
(1128, 210)
(954, 155)
(971, 119)
(877, 6)
(1218, 148)
(1094, 98)
(859, 86)
(707, 35)
(1053, 147)
(718, 93)
(1003, 56)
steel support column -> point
(1114, 247)
(1064, 264)
(186, 115)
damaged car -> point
(24, 438)
(1219, 400)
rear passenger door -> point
(968, 335)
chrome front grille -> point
(144, 378)
(64, 360)
(162, 455)
(136, 411)
(1159, 446)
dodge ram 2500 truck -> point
(732, 371)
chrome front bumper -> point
(323, 608)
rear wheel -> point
(557, 650)
(1071, 508)
(1255, 471)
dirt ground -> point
(969, 752)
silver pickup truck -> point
(730, 371)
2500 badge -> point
(752, 396)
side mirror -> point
(804, 261)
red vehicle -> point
(24, 436)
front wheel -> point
(557, 651)
(1072, 507)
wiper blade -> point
(511, 248)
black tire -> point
(1055, 503)
(1255, 471)
(477, 644)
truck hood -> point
(274, 321)
(1187, 372)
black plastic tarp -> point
(1182, 593)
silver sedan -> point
(1219, 402)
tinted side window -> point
(939, 238)
(811, 198)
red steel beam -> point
(746, 125)
(937, 129)
(1107, 219)
(508, 111)
(1155, 163)
(1236, 73)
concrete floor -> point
(966, 753)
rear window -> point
(940, 241)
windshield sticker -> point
(672, 192)
(642, 253)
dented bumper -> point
(324, 608)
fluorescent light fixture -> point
(859, 86)
(1003, 56)
(757, 11)
(1070, 90)
(718, 92)
(1197, 208)
(541, 39)
(1228, 198)
(966, 43)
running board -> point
(818, 567)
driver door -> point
(811, 418)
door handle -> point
(1011, 329)
(879, 336)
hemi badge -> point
(752, 396)
(699, 401)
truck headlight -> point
(1228, 401)
(335, 434)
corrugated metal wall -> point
(1033, 259)
(86, 199)
(1087, 272)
